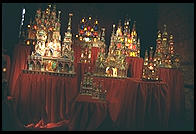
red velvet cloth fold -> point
(174, 79)
(87, 113)
(19, 63)
(43, 96)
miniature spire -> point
(159, 34)
(59, 13)
(69, 23)
(119, 23)
(103, 35)
(146, 55)
(113, 29)
(151, 53)
(165, 31)
(134, 26)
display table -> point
(44, 97)
(135, 104)
(174, 79)
(87, 113)
(144, 106)
(135, 66)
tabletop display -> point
(53, 80)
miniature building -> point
(89, 36)
(165, 52)
(48, 56)
(150, 68)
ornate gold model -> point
(48, 54)
(89, 36)
(115, 64)
(165, 52)
(150, 68)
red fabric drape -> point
(87, 113)
(174, 79)
(135, 66)
(132, 104)
(43, 96)
(19, 63)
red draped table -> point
(19, 63)
(131, 104)
(44, 97)
(174, 79)
(87, 113)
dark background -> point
(145, 15)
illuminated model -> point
(91, 88)
(150, 68)
(132, 42)
(48, 56)
(89, 36)
(165, 52)
(115, 63)
(101, 57)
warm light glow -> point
(76, 36)
(85, 29)
(89, 18)
(114, 72)
(82, 20)
(28, 42)
(121, 39)
(96, 22)
(4, 69)
(35, 27)
(150, 67)
(29, 26)
(88, 33)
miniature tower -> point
(159, 50)
(150, 69)
(67, 42)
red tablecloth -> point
(87, 113)
(144, 106)
(44, 96)
(174, 79)
(19, 63)
(135, 66)
(135, 104)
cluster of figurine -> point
(44, 35)
(164, 57)
(91, 88)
